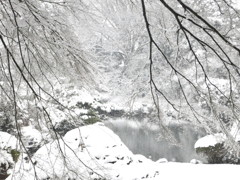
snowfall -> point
(94, 152)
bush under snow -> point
(215, 148)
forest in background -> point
(65, 64)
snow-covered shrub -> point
(31, 138)
(218, 154)
(6, 117)
(215, 149)
(91, 114)
(6, 163)
(63, 127)
(9, 154)
(195, 161)
(7, 141)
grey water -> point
(144, 140)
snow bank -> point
(88, 152)
(94, 151)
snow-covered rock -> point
(216, 149)
(218, 138)
(162, 160)
(31, 138)
(7, 141)
(210, 140)
(195, 161)
(92, 151)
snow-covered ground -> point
(95, 151)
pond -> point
(142, 139)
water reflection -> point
(142, 139)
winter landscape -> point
(119, 89)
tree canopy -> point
(183, 54)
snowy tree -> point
(204, 62)
(183, 53)
(37, 48)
